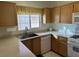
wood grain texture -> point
(8, 15)
(56, 15)
(66, 13)
(59, 45)
(46, 15)
(37, 46)
(76, 6)
(34, 45)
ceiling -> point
(41, 4)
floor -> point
(51, 54)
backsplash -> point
(67, 29)
(3, 32)
(6, 31)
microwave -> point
(75, 18)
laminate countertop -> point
(12, 47)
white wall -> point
(37, 4)
(41, 4)
(59, 3)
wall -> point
(7, 31)
(67, 29)
(41, 4)
(37, 4)
(59, 3)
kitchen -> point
(39, 29)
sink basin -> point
(27, 35)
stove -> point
(73, 46)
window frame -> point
(40, 21)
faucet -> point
(26, 29)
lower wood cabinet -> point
(59, 45)
(28, 43)
(34, 45)
(62, 49)
(62, 45)
(55, 44)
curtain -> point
(28, 10)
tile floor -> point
(51, 54)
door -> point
(36, 46)
(66, 13)
(55, 44)
(62, 45)
(28, 44)
(62, 49)
(45, 44)
(8, 16)
(46, 15)
(76, 7)
(56, 15)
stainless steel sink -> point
(26, 35)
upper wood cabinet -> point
(56, 15)
(46, 15)
(8, 15)
(66, 13)
(76, 6)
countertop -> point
(55, 33)
(12, 47)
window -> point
(29, 21)
(35, 20)
(23, 21)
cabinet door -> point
(28, 44)
(66, 13)
(7, 14)
(76, 6)
(45, 44)
(63, 46)
(46, 15)
(62, 49)
(36, 46)
(55, 44)
(56, 15)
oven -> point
(73, 48)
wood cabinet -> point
(55, 44)
(66, 13)
(34, 45)
(76, 6)
(28, 44)
(59, 45)
(46, 15)
(56, 15)
(8, 15)
(62, 46)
